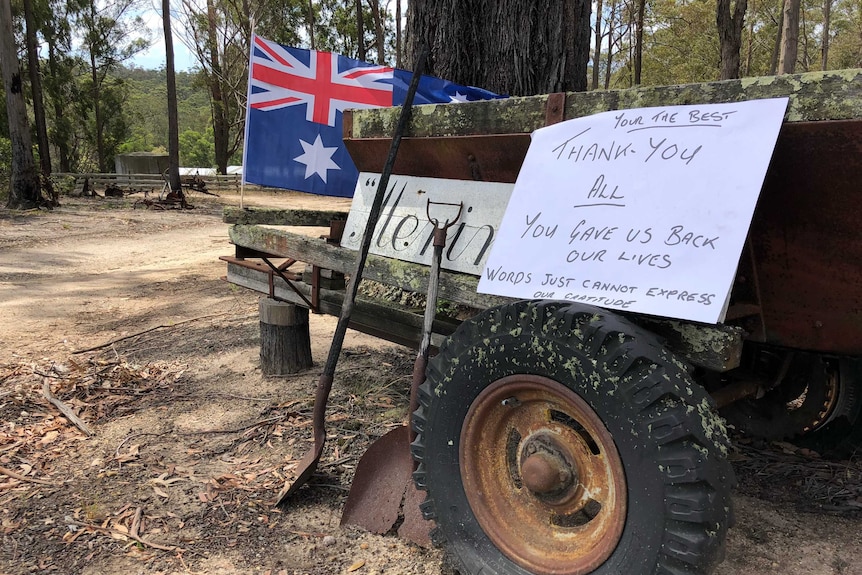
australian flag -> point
(296, 99)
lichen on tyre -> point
(560, 438)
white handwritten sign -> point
(643, 210)
(404, 231)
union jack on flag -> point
(295, 104)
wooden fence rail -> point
(141, 182)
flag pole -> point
(245, 130)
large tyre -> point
(558, 438)
(841, 436)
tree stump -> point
(285, 340)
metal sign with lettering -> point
(643, 210)
(405, 232)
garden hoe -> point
(382, 485)
(308, 464)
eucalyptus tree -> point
(789, 37)
(730, 22)
(112, 31)
(37, 100)
(60, 86)
(24, 190)
(173, 120)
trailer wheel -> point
(557, 438)
(841, 435)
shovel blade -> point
(306, 467)
(382, 479)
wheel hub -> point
(542, 476)
(545, 471)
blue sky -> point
(154, 58)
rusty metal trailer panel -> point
(800, 280)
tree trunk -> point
(730, 35)
(97, 113)
(97, 98)
(824, 43)
(805, 59)
(38, 102)
(311, 23)
(24, 191)
(749, 52)
(285, 339)
(360, 32)
(639, 42)
(379, 37)
(509, 46)
(598, 45)
(398, 47)
(61, 123)
(611, 43)
(221, 129)
(776, 48)
(789, 37)
(173, 119)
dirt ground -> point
(190, 443)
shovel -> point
(382, 485)
(308, 463)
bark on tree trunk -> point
(173, 119)
(221, 130)
(38, 102)
(97, 112)
(61, 139)
(730, 35)
(285, 339)
(749, 52)
(789, 37)
(509, 46)
(398, 47)
(97, 99)
(597, 54)
(379, 37)
(776, 48)
(24, 190)
(360, 32)
(824, 43)
(611, 43)
(639, 42)
(311, 23)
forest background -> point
(99, 104)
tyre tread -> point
(698, 506)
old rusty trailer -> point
(559, 438)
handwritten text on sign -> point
(643, 210)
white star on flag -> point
(458, 97)
(317, 158)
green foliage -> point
(681, 41)
(846, 31)
(146, 111)
(683, 46)
(86, 42)
(196, 149)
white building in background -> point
(197, 171)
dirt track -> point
(191, 443)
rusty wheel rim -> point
(543, 476)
